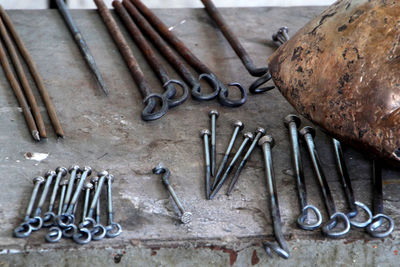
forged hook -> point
(224, 93)
(170, 87)
(148, 113)
(212, 81)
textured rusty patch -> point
(254, 258)
(342, 71)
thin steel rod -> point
(214, 13)
(80, 41)
(19, 94)
(35, 74)
(23, 79)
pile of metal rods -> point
(68, 189)
(11, 42)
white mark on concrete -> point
(36, 156)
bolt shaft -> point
(55, 190)
(109, 200)
(213, 147)
(226, 156)
(230, 167)
(243, 162)
(96, 196)
(44, 194)
(69, 189)
(207, 161)
(326, 192)
(86, 203)
(274, 205)
(78, 190)
(32, 201)
(62, 196)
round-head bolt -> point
(64, 182)
(205, 132)
(74, 168)
(94, 179)
(260, 130)
(110, 178)
(102, 173)
(88, 185)
(88, 170)
(213, 112)
(292, 118)
(238, 124)
(38, 180)
(248, 135)
(186, 217)
(50, 173)
(307, 130)
(62, 170)
(267, 139)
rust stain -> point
(254, 258)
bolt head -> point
(238, 124)
(186, 217)
(307, 130)
(38, 180)
(284, 29)
(205, 132)
(248, 135)
(266, 139)
(102, 173)
(64, 181)
(292, 118)
(260, 130)
(94, 179)
(213, 112)
(88, 185)
(63, 170)
(50, 173)
(88, 170)
(110, 178)
(74, 168)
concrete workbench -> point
(107, 133)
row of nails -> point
(68, 189)
(221, 174)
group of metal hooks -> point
(374, 225)
(63, 224)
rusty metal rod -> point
(133, 65)
(168, 53)
(34, 72)
(19, 94)
(214, 13)
(24, 81)
(151, 57)
(80, 41)
(191, 59)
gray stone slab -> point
(107, 133)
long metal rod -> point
(19, 94)
(133, 65)
(23, 79)
(151, 57)
(35, 74)
(171, 56)
(80, 41)
(214, 13)
(190, 58)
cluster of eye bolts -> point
(67, 189)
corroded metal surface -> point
(342, 71)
